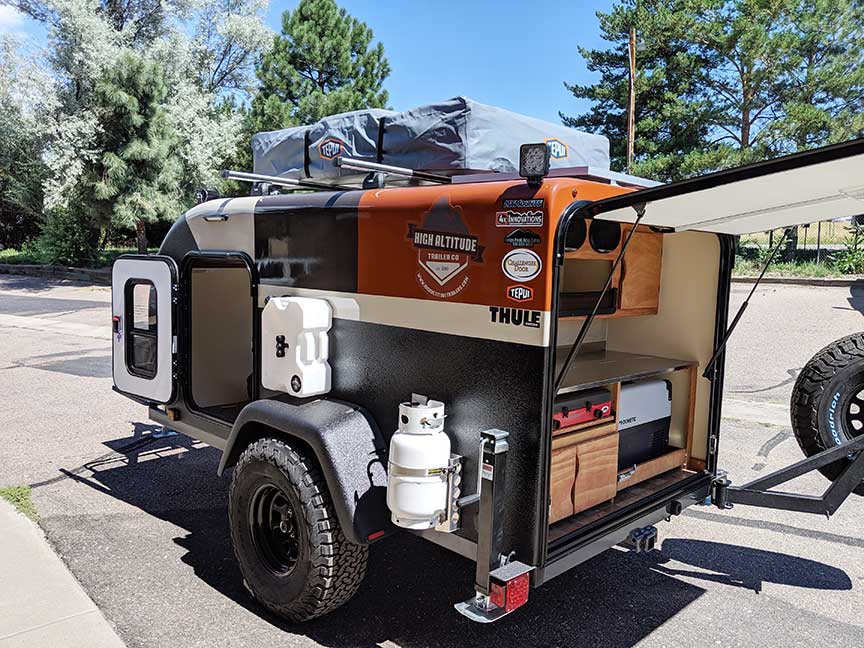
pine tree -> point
(322, 63)
(824, 98)
(672, 119)
(135, 178)
(725, 82)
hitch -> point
(641, 540)
(758, 493)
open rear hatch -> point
(645, 325)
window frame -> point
(131, 331)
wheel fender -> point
(347, 445)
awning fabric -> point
(816, 185)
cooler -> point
(644, 413)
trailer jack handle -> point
(758, 493)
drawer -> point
(596, 472)
(561, 480)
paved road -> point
(143, 526)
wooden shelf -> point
(597, 424)
(672, 460)
(570, 525)
(598, 368)
(633, 312)
(586, 252)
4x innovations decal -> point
(520, 293)
(514, 316)
(521, 265)
(557, 148)
(522, 238)
(523, 203)
(445, 249)
(330, 148)
(510, 218)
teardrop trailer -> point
(525, 368)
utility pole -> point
(631, 108)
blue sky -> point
(510, 54)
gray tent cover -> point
(452, 135)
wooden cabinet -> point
(562, 478)
(639, 292)
(636, 279)
(596, 472)
(584, 470)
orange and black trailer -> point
(312, 335)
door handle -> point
(115, 324)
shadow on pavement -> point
(82, 363)
(615, 599)
(856, 299)
(38, 284)
(748, 568)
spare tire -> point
(828, 401)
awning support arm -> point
(580, 338)
(710, 367)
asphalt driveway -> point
(141, 521)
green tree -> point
(725, 82)
(824, 99)
(135, 177)
(672, 119)
(322, 63)
(22, 144)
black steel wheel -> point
(294, 557)
(273, 527)
(828, 401)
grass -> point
(752, 267)
(833, 233)
(20, 498)
(105, 259)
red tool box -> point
(581, 407)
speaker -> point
(575, 234)
(604, 236)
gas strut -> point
(577, 345)
(710, 367)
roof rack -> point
(283, 182)
(585, 172)
(375, 167)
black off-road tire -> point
(828, 401)
(328, 568)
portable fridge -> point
(644, 414)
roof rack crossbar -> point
(365, 165)
(282, 182)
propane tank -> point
(417, 472)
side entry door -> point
(143, 318)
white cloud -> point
(10, 18)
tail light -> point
(509, 586)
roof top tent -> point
(455, 137)
(523, 367)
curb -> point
(100, 276)
(41, 602)
(853, 281)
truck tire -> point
(292, 552)
(828, 401)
